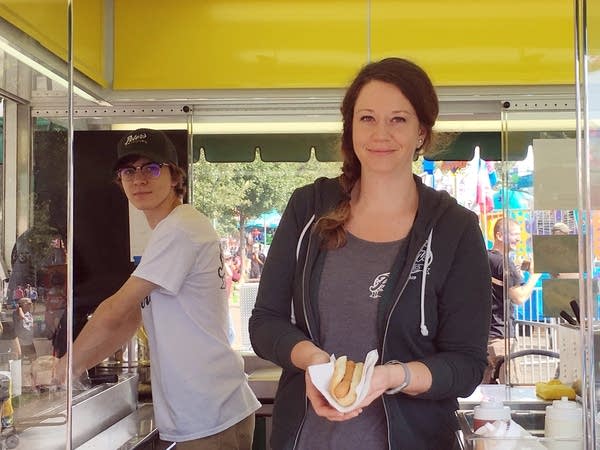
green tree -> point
(232, 193)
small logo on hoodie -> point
(378, 285)
(420, 262)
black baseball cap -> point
(152, 144)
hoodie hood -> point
(432, 205)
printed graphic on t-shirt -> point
(221, 269)
(376, 288)
(146, 302)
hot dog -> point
(346, 376)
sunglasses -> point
(148, 170)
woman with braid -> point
(375, 259)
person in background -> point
(517, 290)
(374, 259)
(33, 295)
(227, 273)
(228, 277)
(257, 261)
(9, 343)
(33, 253)
(18, 294)
(236, 265)
(23, 324)
(201, 397)
(55, 303)
(560, 229)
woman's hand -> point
(380, 382)
(305, 354)
(322, 407)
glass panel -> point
(245, 201)
(539, 204)
(34, 225)
(588, 22)
(4, 270)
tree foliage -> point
(232, 193)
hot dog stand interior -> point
(257, 86)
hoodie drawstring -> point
(298, 246)
(428, 259)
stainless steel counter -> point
(109, 417)
(135, 431)
(40, 419)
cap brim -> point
(158, 158)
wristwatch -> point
(406, 381)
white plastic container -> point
(564, 419)
(490, 411)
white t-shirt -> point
(198, 383)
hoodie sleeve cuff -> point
(284, 346)
(450, 379)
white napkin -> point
(320, 375)
(503, 437)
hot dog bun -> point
(346, 376)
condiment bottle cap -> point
(492, 409)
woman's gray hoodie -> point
(441, 319)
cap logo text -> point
(136, 138)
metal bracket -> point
(539, 104)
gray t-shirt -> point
(351, 287)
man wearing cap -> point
(199, 390)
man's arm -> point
(113, 323)
(520, 294)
